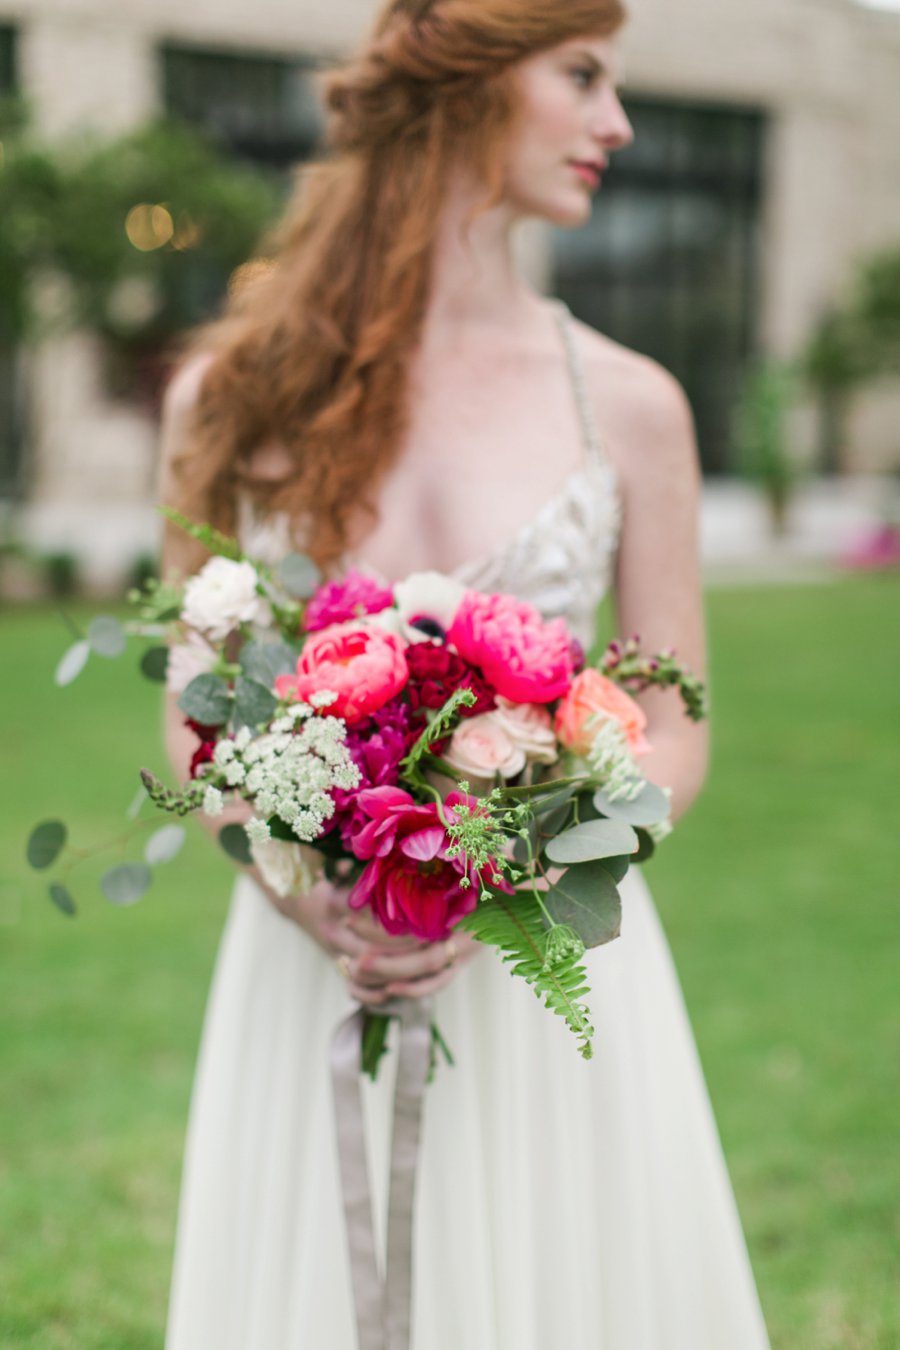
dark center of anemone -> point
(430, 627)
(432, 868)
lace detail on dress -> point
(561, 561)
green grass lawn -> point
(776, 892)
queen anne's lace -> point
(290, 772)
(613, 763)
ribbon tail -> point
(412, 1073)
(368, 1291)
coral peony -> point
(523, 657)
(365, 667)
(351, 597)
(592, 700)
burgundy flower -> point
(435, 672)
(204, 752)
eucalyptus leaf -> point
(253, 702)
(73, 662)
(45, 843)
(586, 899)
(265, 661)
(617, 867)
(595, 839)
(125, 884)
(649, 807)
(299, 575)
(164, 844)
(647, 847)
(155, 664)
(233, 839)
(554, 800)
(62, 898)
(207, 700)
(106, 636)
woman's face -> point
(570, 121)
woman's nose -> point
(611, 126)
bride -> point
(394, 394)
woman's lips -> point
(589, 173)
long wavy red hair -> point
(314, 356)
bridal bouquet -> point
(447, 754)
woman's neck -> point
(474, 278)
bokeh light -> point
(149, 227)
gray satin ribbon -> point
(382, 1307)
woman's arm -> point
(658, 591)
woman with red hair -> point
(393, 392)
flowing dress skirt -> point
(562, 1204)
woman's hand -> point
(379, 966)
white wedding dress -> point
(561, 1204)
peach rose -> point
(530, 727)
(592, 699)
(364, 666)
(480, 749)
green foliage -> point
(212, 539)
(299, 575)
(594, 839)
(207, 700)
(233, 839)
(45, 843)
(126, 883)
(649, 807)
(515, 925)
(585, 899)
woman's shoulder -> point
(641, 409)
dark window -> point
(668, 263)
(11, 427)
(261, 108)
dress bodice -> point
(561, 561)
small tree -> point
(854, 343)
(134, 239)
(761, 436)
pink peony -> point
(364, 667)
(593, 699)
(523, 657)
(411, 884)
(353, 596)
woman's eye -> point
(583, 77)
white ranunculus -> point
(530, 727)
(221, 597)
(283, 866)
(187, 660)
(427, 595)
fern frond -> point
(514, 924)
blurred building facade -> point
(766, 164)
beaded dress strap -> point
(589, 430)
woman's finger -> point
(421, 988)
(374, 968)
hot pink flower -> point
(354, 595)
(364, 667)
(411, 884)
(525, 658)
